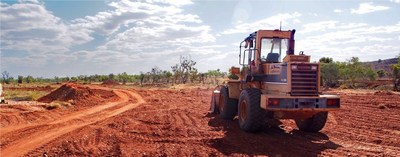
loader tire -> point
(227, 107)
(251, 115)
(313, 124)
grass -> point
(18, 92)
(20, 95)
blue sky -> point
(69, 38)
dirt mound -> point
(110, 82)
(79, 94)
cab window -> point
(273, 45)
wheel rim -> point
(221, 103)
(243, 110)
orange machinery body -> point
(290, 86)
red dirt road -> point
(175, 122)
(44, 132)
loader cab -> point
(265, 46)
(272, 49)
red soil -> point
(165, 122)
(79, 94)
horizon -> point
(227, 71)
(47, 39)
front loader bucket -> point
(215, 100)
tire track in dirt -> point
(365, 127)
(170, 126)
(176, 123)
(58, 128)
(69, 117)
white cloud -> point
(318, 26)
(345, 40)
(136, 35)
(368, 8)
(338, 10)
(133, 30)
(313, 14)
(152, 32)
(272, 22)
(328, 26)
(175, 2)
(29, 1)
(395, 1)
(133, 13)
(30, 27)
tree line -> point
(181, 73)
(333, 74)
(352, 71)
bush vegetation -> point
(333, 74)
(396, 75)
(22, 95)
(348, 74)
(181, 73)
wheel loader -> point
(273, 83)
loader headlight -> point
(314, 67)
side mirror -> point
(251, 44)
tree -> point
(57, 79)
(177, 72)
(6, 77)
(330, 74)
(124, 77)
(351, 71)
(167, 75)
(396, 75)
(184, 70)
(381, 73)
(141, 77)
(326, 60)
(155, 74)
(74, 79)
(194, 75)
(111, 76)
(20, 79)
(187, 66)
(370, 74)
(29, 79)
(214, 74)
(202, 77)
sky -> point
(85, 37)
